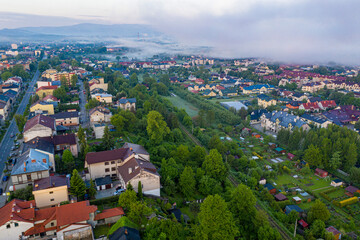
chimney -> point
(130, 170)
(25, 164)
(31, 206)
(18, 210)
(13, 210)
(44, 160)
(131, 149)
(72, 201)
(24, 169)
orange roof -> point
(107, 213)
(74, 212)
(17, 210)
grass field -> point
(237, 98)
(181, 103)
(101, 230)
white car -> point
(118, 192)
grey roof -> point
(103, 181)
(40, 144)
(237, 105)
(136, 148)
(31, 161)
(125, 100)
(285, 119)
(62, 115)
(125, 233)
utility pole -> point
(295, 227)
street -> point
(8, 142)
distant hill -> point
(80, 31)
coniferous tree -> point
(77, 185)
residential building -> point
(39, 126)
(324, 105)
(265, 101)
(209, 93)
(258, 89)
(321, 122)
(42, 107)
(309, 107)
(31, 165)
(277, 120)
(42, 146)
(127, 103)
(63, 142)
(256, 114)
(100, 114)
(102, 97)
(51, 191)
(44, 91)
(66, 118)
(97, 83)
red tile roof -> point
(17, 210)
(74, 213)
(107, 213)
(50, 97)
(42, 120)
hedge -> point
(348, 201)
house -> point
(39, 126)
(99, 129)
(63, 142)
(336, 183)
(46, 90)
(138, 150)
(350, 190)
(66, 118)
(138, 170)
(51, 99)
(258, 88)
(69, 221)
(100, 114)
(290, 156)
(299, 97)
(97, 83)
(11, 86)
(297, 200)
(255, 115)
(228, 92)
(125, 233)
(280, 150)
(102, 97)
(303, 224)
(280, 197)
(109, 216)
(324, 105)
(103, 183)
(51, 191)
(321, 122)
(321, 173)
(3, 110)
(16, 218)
(265, 101)
(309, 107)
(270, 188)
(209, 93)
(30, 166)
(276, 120)
(42, 146)
(335, 232)
(126, 104)
(45, 108)
(289, 208)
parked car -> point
(118, 192)
(12, 135)
(5, 178)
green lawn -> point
(340, 192)
(181, 103)
(101, 230)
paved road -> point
(84, 118)
(7, 141)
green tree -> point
(313, 156)
(318, 211)
(335, 161)
(268, 233)
(214, 166)
(350, 157)
(68, 160)
(318, 228)
(77, 185)
(242, 205)
(355, 175)
(126, 198)
(118, 122)
(138, 212)
(140, 191)
(107, 140)
(92, 103)
(215, 220)
(357, 125)
(197, 155)
(20, 122)
(156, 128)
(74, 79)
(92, 189)
(187, 182)
(6, 75)
(133, 80)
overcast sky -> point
(290, 30)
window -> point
(16, 224)
(51, 192)
(52, 224)
(112, 162)
(107, 169)
(113, 169)
(106, 163)
(51, 200)
(8, 226)
(28, 177)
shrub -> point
(348, 201)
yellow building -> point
(265, 101)
(45, 91)
(103, 97)
(42, 106)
